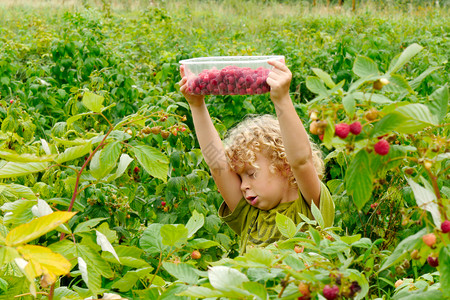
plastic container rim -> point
(230, 59)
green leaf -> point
(285, 225)
(225, 278)
(13, 169)
(103, 242)
(126, 283)
(202, 243)
(153, 161)
(13, 156)
(104, 161)
(93, 102)
(73, 153)
(174, 235)
(94, 261)
(124, 162)
(27, 232)
(325, 77)
(199, 292)
(438, 105)
(405, 57)
(151, 240)
(351, 239)
(426, 200)
(397, 84)
(317, 215)
(87, 226)
(444, 269)
(403, 249)
(365, 67)
(359, 179)
(182, 271)
(349, 105)
(374, 98)
(17, 191)
(256, 289)
(195, 222)
(261, 256)
(315, 85)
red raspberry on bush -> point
(342, 130)
(429, 239)
(433, 261)
(445, 226)
(163, 203)
(136, 169)
(330, 292)
(196, 254)
(304, 289)
(355, 128)
(382, 147)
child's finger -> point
(182, 70)
(278, 65)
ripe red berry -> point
(342, 130)
(136, 169)
(196, 254)
(445, 226)
(373, 205)
(429, 239)
(163, 203)
(382, 147)
(330, 292)
(355, 128)
(433, 261)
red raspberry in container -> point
(228, 75)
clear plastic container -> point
(228, 75)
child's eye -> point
(252, 174)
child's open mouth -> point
(252, 199)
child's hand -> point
(279, 80)
(193, 100)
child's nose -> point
(244, 185)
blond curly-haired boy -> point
(265, 165)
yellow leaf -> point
(27, 232)
(45, 262)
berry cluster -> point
(231, 80)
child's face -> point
(262, 188)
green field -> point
(92, 121)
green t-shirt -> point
(258, 227)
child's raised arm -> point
(227, 181)
(295, 138)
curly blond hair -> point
(262, 134)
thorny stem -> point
(283, 287)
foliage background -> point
(128, 53)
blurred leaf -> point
(404, 57)
(365, 67)
(317, 215)
(151, 240)
(13, 169)
(127, 282)
(426, 200)
(195, 222)
(325, 77)
(439, 103)
(74, 153)
(13, 156)
(93, 102)
(174, 235)
(285, 225)
(315, 85)
(444, 269)
(349, 104)
(359, 179)
(182, 271)
(226, 278)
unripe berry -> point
(371, 114)
(298, 249)
(429, 239)
(445, 226)
(165, 134)
(415, 254)
(196, 254)
(304, 289)
(378, 84)
(398, 283)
